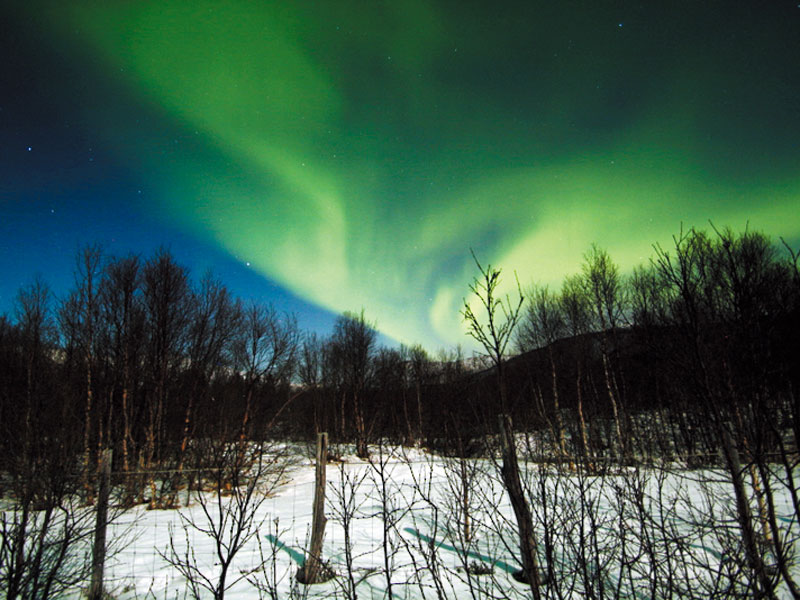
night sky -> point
(329, 156)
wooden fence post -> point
(314, 571)
(99, 548)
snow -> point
(418, 495)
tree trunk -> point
(419, 413)
(87, 422)
(99, 548)
(582, 423)
(620, 441)
(560, 438)
(409, 431)
(754, 559)
(362, 451)
(522, 512)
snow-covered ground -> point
(407, 531)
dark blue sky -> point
(41, 235)
(61, 187)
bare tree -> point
(230, 514)
(421, 372)
(465, 506)
(541, 326)
(494, 334)
(494, 325)
(353, 343)
(124, 314)
(724, 309)
(36, 341)
(345, 507)
(310, 370)
(575, 310)
(603, 287)
(43, 542)
(265, 352)
(267, 577)
(45, 527)
(79, 316)
(390, 394)
(390, 511)
(166, 295)
(215, 320)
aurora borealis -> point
(352, 153)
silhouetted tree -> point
(575, 311)
(84, 306)
(603, 287)
(353, 347)
(215, 320)
(390, 389)
(265, 352)
(166, 297)
(492, 327)
(421, 371)
(541, 325)
(310, 370)
(121, 297)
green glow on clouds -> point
(355, 152)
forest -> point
(690, 359)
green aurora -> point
(354, 152)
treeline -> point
(698, 343)
(137, 358)
(141, 359)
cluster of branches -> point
(652, 365)
(606, 365)
(693, 356)
(446, 528)
(690, 358)
(713, 321)
(139, 359)
(361, 392)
